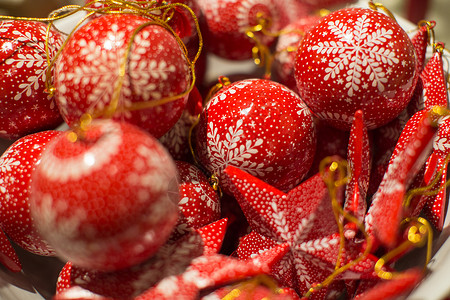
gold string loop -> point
(158, 13)
(439, 47)
(429, 189)
(215, 184)
(376, 5)
(251, 285)
(261, 54)
(430, 30)
(190, 137)
(419, 233)
(335, 174)
(222, 82)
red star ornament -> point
(252, 289)
(384, 140)
(26, 106)
(171, 259)
(434, 83)
(359, 158)
(395, 288)
(435, 205)
(386, 210)
(303, 218)
(420, 42)
(213, 271)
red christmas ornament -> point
(8, 256)
(435, 205)
(319, 4)
(356, 59)
(211, 271)
(252, 290)
(171, 259)
(359, 158)
(103, 201)
(261, 127)
(26, 106)
(17, 164)
(286, 49)
(292, 10)
(227, 22)
(199, 203)
(96, 74)
(388, 208)
(395, 288)
(303, 219)
(384, 139)
(420, 41)
(434, 82)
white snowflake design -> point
(441, 142)
(227, 152)
(360, 51)
(302, 249)
(231, 90)
(6, 164)
(103, 68)
(203, 195)
(37, 60)
(4, 26)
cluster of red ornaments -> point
(163, 188)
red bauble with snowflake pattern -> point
(26, 107)
(107, 200)
(356, 59)
(199, 203)
(96, 74)
(286, 48)
(228, 20)
(17, 164)
(259, 126)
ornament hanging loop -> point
(376, 5)
(215, 184)
(222, 81)
(419, 233)
(430, 30)
(439, 47)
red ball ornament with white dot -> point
(356, 59)
(199, 203)
(286, 49)
(117, 65)
(107, 200)
(227, 22)
(17, 164)
(26, 107)
(259, 126)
